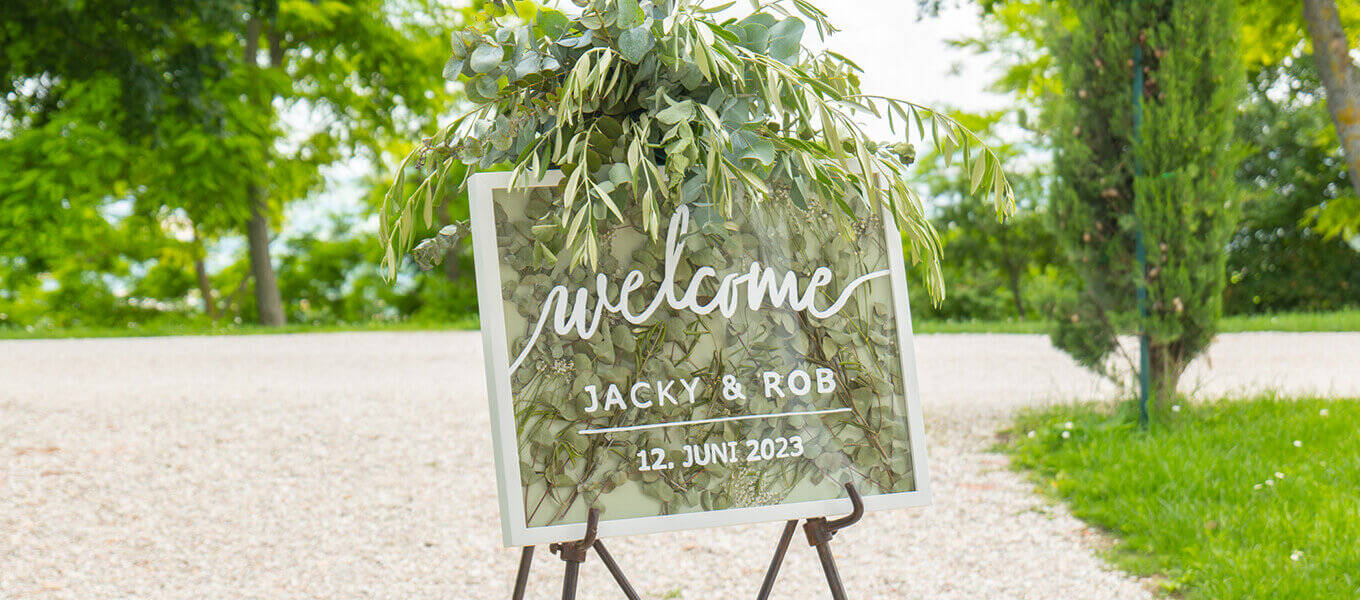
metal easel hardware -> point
(573, 554)
(819, 532)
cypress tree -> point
(1174, 181)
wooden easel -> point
(819, 532)
(573, 554)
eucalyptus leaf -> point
(761, 150)
(528, 65)
(486, 58)
(630, 14)
(592, 20)
(785, 38)
(551, 23)
(677, 113)
(635, 43)
(453, 68)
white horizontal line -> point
(716, 420)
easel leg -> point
(569, 580)
(614, 570)
(574, 553)
(819, 533)
(823, 545)
(773, 572)
(526, 558)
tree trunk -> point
(1340, 77)
(204, 283)
(452, 270)
(1166, 364)
(205, 289)
(1014, 275)
(268, 301)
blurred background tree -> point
(135, 136)
(995, 271)
(1292, 250)
(1278, 259)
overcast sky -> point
(909, 58)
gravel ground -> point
(358, 466)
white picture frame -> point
(496, 351)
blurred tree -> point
(227, 110)
(1275, 31)
(1277, 260)
(87, 88)
(1172, 186)
(154, 50)
(993, 269)
(346, 67)
(1340, 77)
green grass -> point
(1342, 320)
(1347, 320)
(468, 322)
(923, 326)
(1234, 499)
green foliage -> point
(996, 270)
(1236, 499)
(1276, 37)
(135, 136)
(1182, 201)
(160, 327)
(154, 51)
(1301, 322)
(1277, 260)
(657, 103)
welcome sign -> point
(741, 369)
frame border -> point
(496, 353)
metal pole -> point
(526, 558)
(833, 576)
(819, 533)
(614, 570)
(771, 573)
(574, 553)
(1140, 247)
(569, 580)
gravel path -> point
(346, 466)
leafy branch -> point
(657, 104)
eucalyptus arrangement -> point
(654, 104)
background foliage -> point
(121, 170)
